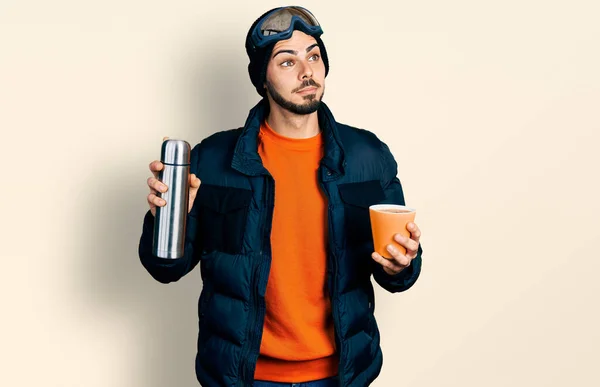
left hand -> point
(400, 261)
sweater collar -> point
(247, 160)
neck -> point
(292, 125)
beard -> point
(310, 106)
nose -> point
(305, 70)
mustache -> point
(306, 83)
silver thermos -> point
(170, 221)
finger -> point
(194, 186)
(156, 185)
(165, 138)
(155, 167)
(194, 181)
(154, 200)
(415, 232)
(397, 256)
(410, 245)
(388, 264)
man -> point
(279, 223)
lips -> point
(306, 89)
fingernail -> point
(391, 249)
(163, 188)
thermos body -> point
(171, 219)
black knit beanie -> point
(259, 58)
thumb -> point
(194, 181)
(165, 138)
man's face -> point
(296, 74)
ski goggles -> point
(280, 23)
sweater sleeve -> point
(167, 270)
(394, 195)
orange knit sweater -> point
(298, 339)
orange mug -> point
(386, 221)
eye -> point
(314, 57)
(287, 63)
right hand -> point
(157, 186)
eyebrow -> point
(293, 52)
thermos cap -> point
(175, 152)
